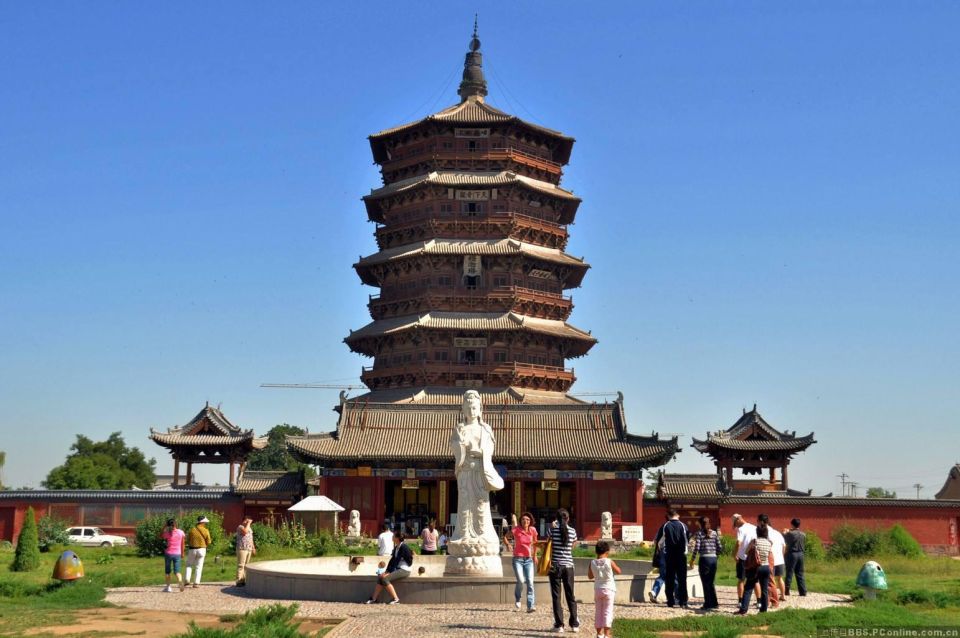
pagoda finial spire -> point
(473, 85)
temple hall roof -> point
(680, 486)
(267, 483)
(525, 433)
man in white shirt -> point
(746, 532)
(385, 541)
(779, 560)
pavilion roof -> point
(473, 321)
(752, 433)
(525, 433)
(470, 112)
(209, 428)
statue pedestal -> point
(476, 558)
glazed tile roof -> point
(470, 111)
(681, 486)
(471, 321)
(584, 433)
(269, 483)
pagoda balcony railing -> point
(501, 297)
(496, 153)
(467, 220)
(431, 372)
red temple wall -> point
(935, 528)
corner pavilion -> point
(471, 227)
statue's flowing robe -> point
(472, 446)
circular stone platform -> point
(340, 579)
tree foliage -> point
(102, 465)
(275, 456)
(27, 556)
(52, 531)
(149, 529)
(879, 492)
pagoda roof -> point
(209, 428)
(753, 433)
(483, 247)
(540, 434)
(472, 112)
(474, 179)
(444, 395)
(472, 321)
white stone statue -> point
(474, 549)
(353, 528)
(606, 526)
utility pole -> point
(843, 482)
(853, 489)
(918, 486)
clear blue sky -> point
(771, 203)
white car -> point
(94, 537)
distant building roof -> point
(951, 487)
(270, 483)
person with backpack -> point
(562, 538)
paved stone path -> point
(425, 621)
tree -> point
(27, 556)
(879, 492)
(275, 456)
(102, 465)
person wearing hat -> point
(198, 539)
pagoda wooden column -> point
(176, 472)
(783, 474)
(189, 480)
(233, 478)
(729, 476)
(773, 475)
(639, 497)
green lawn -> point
(922, 592)
(33, 599)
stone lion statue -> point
(353, 528)
(606, 526)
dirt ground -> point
(120, 621)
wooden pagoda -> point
(209, 437)
(471, 275)
(753, 445)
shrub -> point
(27, 556)
(292, 534)
(327, 544)
(273, 621)
(51, 531)
(149, 529)
(899, 541)
(850, 542)
(264, 535)
(813, 548)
